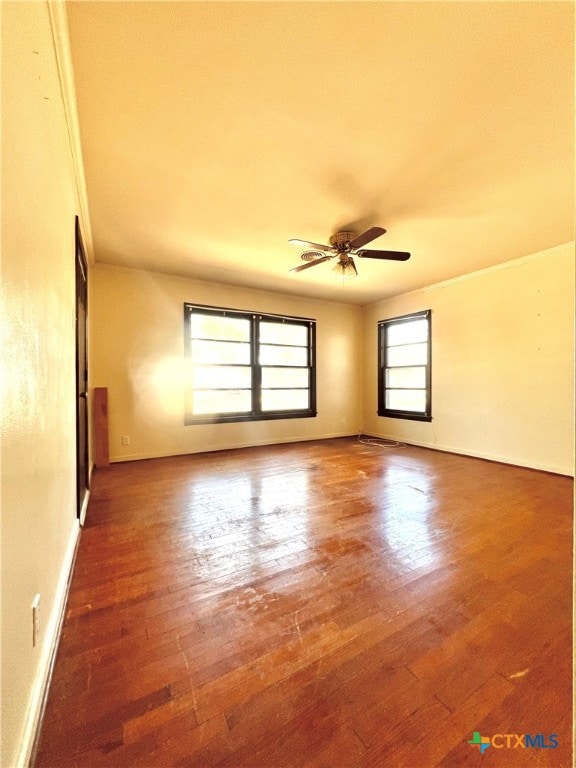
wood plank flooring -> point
(324, 604)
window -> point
(404, 375)
(246, 367)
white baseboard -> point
(557, 470)
(554, 469)
(48, 653)
(84, 506)
(229, 446)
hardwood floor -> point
(317, 604)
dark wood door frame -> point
(81, 306)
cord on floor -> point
(380, 442)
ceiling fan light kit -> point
(343, 246)
(345, 268)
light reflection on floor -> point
(253, 519)
(407, 514)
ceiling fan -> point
(344, 246)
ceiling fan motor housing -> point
(340, 240)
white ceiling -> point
(212, 132)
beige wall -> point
(137, 352)
(38, 515)
(502, 363)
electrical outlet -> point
(35, 619)
(125, 439)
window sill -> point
(190, 420)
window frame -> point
(256, 413)
(394, 413)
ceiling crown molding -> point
(61, 40)
(556, 250)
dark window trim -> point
(391, 413)
(256, 413)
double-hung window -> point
(245, 366)
(404, 370)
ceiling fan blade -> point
(351, 261)
(310, 264)
(366, 237)
(391, 255)
(307, 244)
